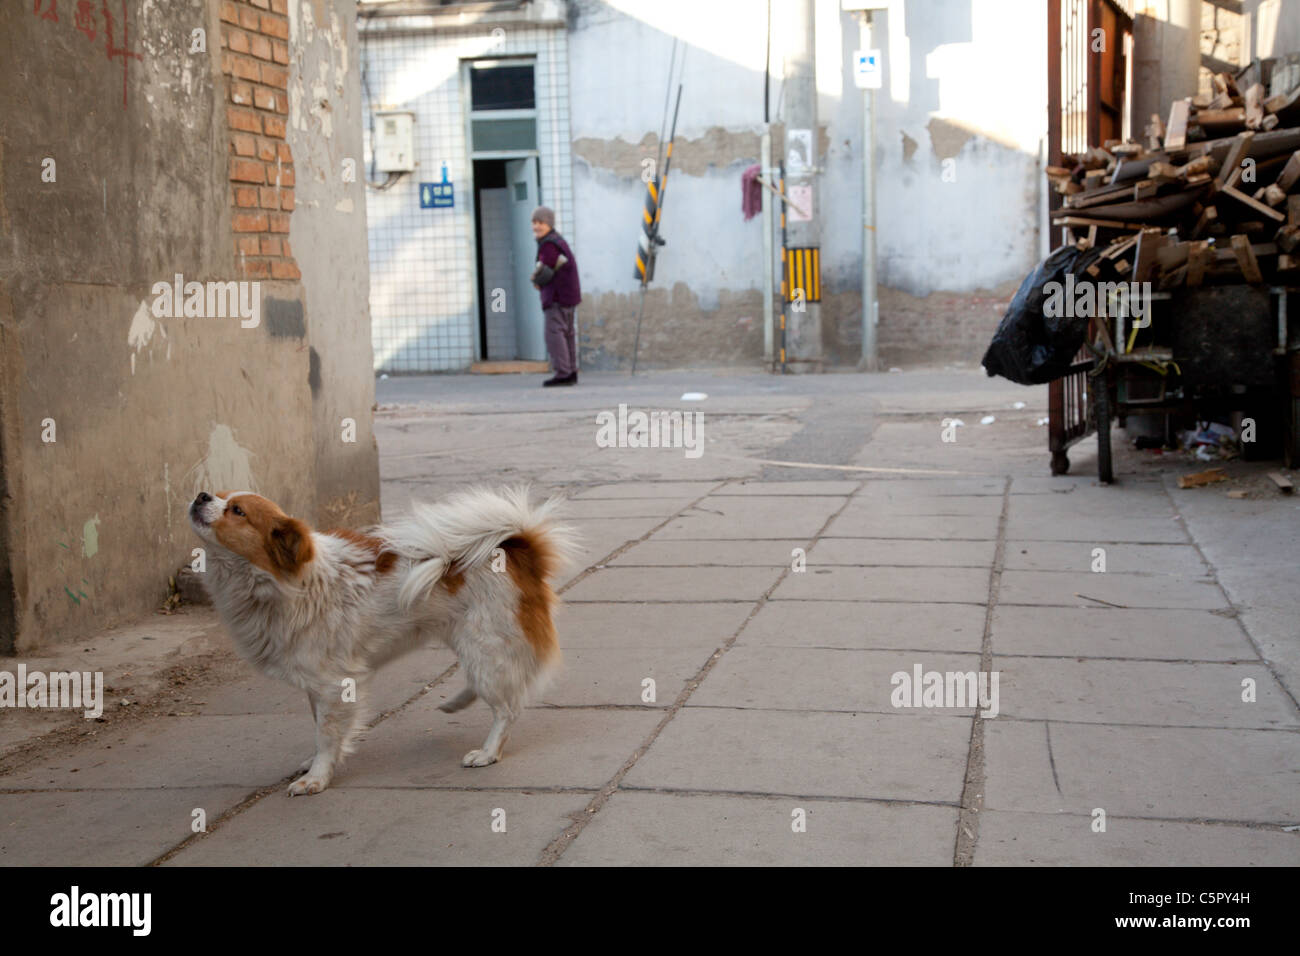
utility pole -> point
(803, 216)
(765, 159)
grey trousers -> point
(561, 340)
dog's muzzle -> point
(204, 510)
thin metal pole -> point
(636, 345)
(870, 362)
(769, 318)
(785, 268)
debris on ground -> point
(1283, 483)
(1208, 477)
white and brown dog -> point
(324, 610)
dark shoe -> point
(561, 380)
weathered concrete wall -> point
(146, 410)
(1272, 27)
(329, 242)
(959, 131)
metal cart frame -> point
(1089, 396)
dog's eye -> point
(236, 509)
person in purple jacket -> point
(556, 276)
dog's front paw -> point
(306, 785)
(478, 758)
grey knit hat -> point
(544, 214)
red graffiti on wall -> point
(85, 22)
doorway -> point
(510, 313)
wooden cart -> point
(1225, 359)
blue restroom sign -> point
(866, 69)
(438, 195)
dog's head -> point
(255, 529)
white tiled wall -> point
(422, 269)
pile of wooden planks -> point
(1211, 196)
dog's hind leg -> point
(338, 714)
(502, 684)
(503, 716)
(460, 701)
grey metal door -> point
(530, 334)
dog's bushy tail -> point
(462, 532)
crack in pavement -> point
(972, 796)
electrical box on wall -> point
(394, 142)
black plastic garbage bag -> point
(1030, 347)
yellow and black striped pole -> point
(648, 242)
(645, 244)
(805, 273)
(801, 272)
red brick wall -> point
(255, 58)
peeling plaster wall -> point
(147, 410)
(961, 84)
(328, 233)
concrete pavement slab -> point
(1252, 546)
(393, 685)
(748, 517)
(1061, 839)
(811, 754)
(1078, 481)
(817, 678)
(850, 624)
(1090, 504)
(1152, 772)
(1098, 529)
(637, 828)
(911, 503)
(613, 675)
(734, 553)
(548, 747)
(902, 552)
(247, 750)
(128, 827)
(864, 522)
(675, 584)
(783, 489)
(1167, 693)
(665, 626)
(648, 489)
(391, 827)
(599, 536)
(1176, 559)
(1119, 632)
(926, 585)
(928, 486)
(1064, 589)
(594, 508)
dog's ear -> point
(291, 545)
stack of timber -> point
(1211, 196)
